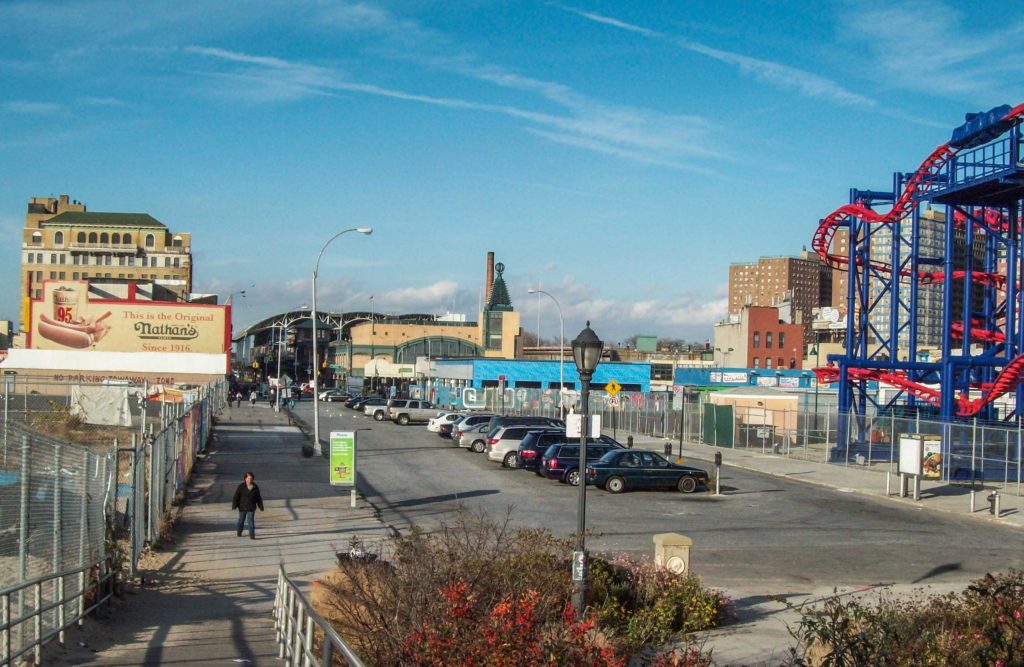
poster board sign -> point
(67, 318)
(931, 453)
(574, 426)
(343, 458)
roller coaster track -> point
(919, 183)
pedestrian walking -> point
(238, 398)
(252, 398)
(247, 499)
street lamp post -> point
(561, 350)
(817, 363)
(316, 380)
(586, 352)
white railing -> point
(296, 624)
(43, 608)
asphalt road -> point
(763, 533)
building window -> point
(104, 238)
(127, 238)
(131, 260)
(39, 258)
(85, 274)
(176, 242)
(120, 260)
(107, 259)
(757, 340)
(768, 340)
(115, 238)
(74, 276)
(53, 258)
(782, 340)
(62, 275)
(81, 237)
(37, 238)
(177, 263)
(31, 256)
(792, 363)
(782, 362)
(92, 237)
(120, 275)
(58, 238)
(53, 275)
(63, 258)
(150, 241)
(39, 276)
(767, 362)
(167, 262)
(757, 362)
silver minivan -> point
(503, 444)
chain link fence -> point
(88, 473)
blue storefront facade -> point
(537, 374)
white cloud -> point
(931, 47)
(782, 76)
(432, 296)
(31, 108)
(636, 134)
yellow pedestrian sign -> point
(613, 388)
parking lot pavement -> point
(852, 478)
(206, 599)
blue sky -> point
(622, 153)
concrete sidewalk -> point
(207, 598)
(851, 478)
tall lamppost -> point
(316, 367)
(586, 352)
(561, 348)
(817, 363)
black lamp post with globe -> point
(586, 352)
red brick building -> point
(759, 339)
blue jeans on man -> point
(247, 517)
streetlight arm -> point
(361, 230)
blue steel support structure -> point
(981, 189)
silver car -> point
(503, 444)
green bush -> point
(648, 605)
(983, 625)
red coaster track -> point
(919, 183)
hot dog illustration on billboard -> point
(68, 317)
(70, 325)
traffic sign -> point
(613, 387)
(614, 402)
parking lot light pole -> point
(586, 352)
(316, 367)
(561, 350)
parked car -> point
(620, 470)
(471, 437)
(407, 410)
(375, 407)
(445, 431)
(467, 422)
(335, 395)
(503, 445)
(562, 461)
(443, 417)
(533, 446)
(505, 420)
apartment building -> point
(804, 281)
(64, 241)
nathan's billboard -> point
(66, 318)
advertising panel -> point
(343, 458)
(66, 318)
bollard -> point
(974, 495)
(629, 442)
(718, 473)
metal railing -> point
(45, 608)
(298, 629)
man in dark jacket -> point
(247, 499)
